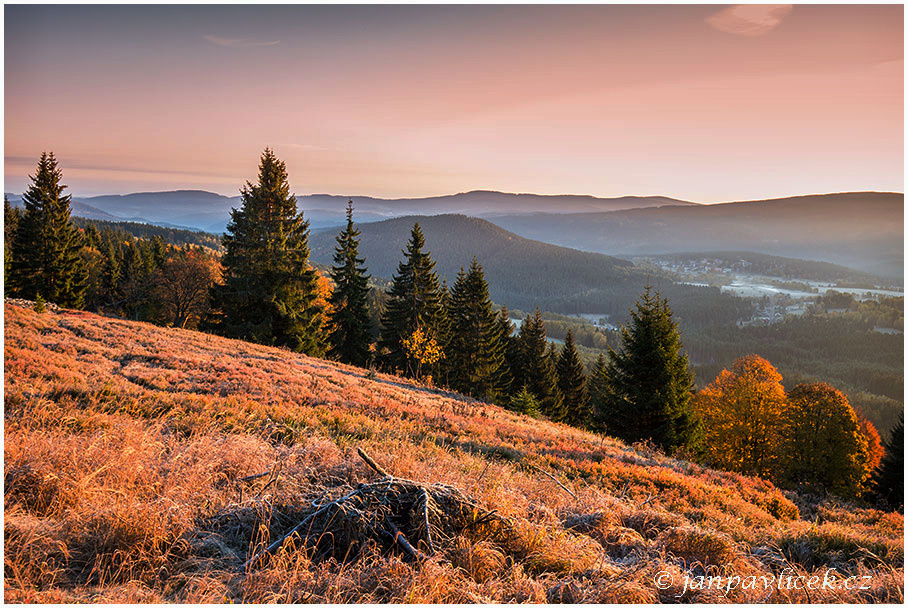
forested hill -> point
(863, 230)
(173, 236)
(514, 266)
(523, 273)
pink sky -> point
(705, 103)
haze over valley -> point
(861, 230)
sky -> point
(706, 103)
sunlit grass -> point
(125, 446)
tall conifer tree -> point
(46, 252)
(351, 327)
(443, 336)
(414, 302)
(597, 385)
(649, 384)
(476, 352)
(269, 291)
(534, 365)
(575, 407)
(889, 478)
(509, 351)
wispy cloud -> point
(749, 19)
(240, 43)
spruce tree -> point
(46, 252)
(443, 334)
(351, 327)
(476, 352)
(649, 384)
(524, 402)
(414, 302)
(269, 291)
(158, 252)
(11, 217)
(889, 478)
(92, 236)
(534, 366)
(597, 385)
(111, 272)
(575, 406)
(135, 282)
(509, 351)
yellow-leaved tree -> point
(423, 350)
(323, 288)
(825, 447)
(742, 412)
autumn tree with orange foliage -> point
(824, 445)
(182, 284)
(742, 412)
(809, 438)
(875, 451)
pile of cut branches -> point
(415, 518)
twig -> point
(425, 496)
(643, 504)
(252, 477)
(627, 484)
(486, 468)
(550, 476)
(371, 463)
(274, 475)
(400, 539)
(483, 519)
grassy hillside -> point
(863, 230)
(132, 462)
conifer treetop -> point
(46, 253)
(270, 294)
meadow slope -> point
(130, 449)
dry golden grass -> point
(129, 449)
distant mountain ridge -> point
(202, 210)
(77, 208)
(862, 230)
(485, 202)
